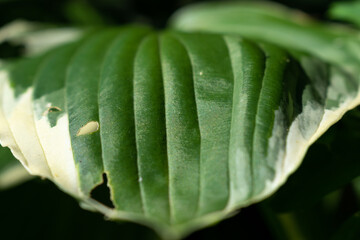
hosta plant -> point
(185, 125)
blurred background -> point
(316, 203)
(154, 12)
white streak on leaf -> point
(297, 145)
(19, 114)
(57, 148)
(6, 136)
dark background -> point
(154, 12)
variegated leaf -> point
(186, 127)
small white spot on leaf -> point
(88, 128)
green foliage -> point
(262, 21)
(347, 11)
(333, 161)
(167, 120)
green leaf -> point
(186, 127)
(293, 30)
(12, 173)
(347, 11)
(276, 24)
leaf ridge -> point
(171, 216)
